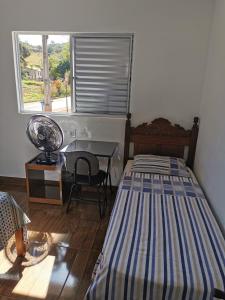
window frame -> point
(72, 35)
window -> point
(43, 72)
(73, 73)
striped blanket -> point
(12, 218)
(160, 245)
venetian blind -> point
(102, 72)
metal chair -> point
(84, 167)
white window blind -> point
(102, 72)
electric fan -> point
(46, 135)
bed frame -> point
(160, 137)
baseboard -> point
(17, 181)
(12, 181)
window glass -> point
(59, 72)
(45, 72)
(31, 68)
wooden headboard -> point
(160, 137)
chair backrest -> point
(82, 162)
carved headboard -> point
(160, 137)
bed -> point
(163, 241)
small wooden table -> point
(13, 220)
(39, 189)
(20, 243)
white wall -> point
(210, 158)
(169, 57)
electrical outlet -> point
(73, 133)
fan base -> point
(47, 159)
(46, 162)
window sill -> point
(58, 114)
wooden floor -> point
(76, 241)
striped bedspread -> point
(162, 243)
(12, 218)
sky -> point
(36, 39)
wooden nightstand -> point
(39, 189)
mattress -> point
(162, 242)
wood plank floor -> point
(76, 240)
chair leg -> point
(105, 193)
(101, 210)
(104, 190)
(79, 192)
(70, 197)
(99, 202)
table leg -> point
(109, 175)
(20, 244)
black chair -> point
(84, 167)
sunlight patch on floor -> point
(36, 279)
(61, 238)
(5, 264)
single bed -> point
(163, 241)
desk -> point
(98, 148)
